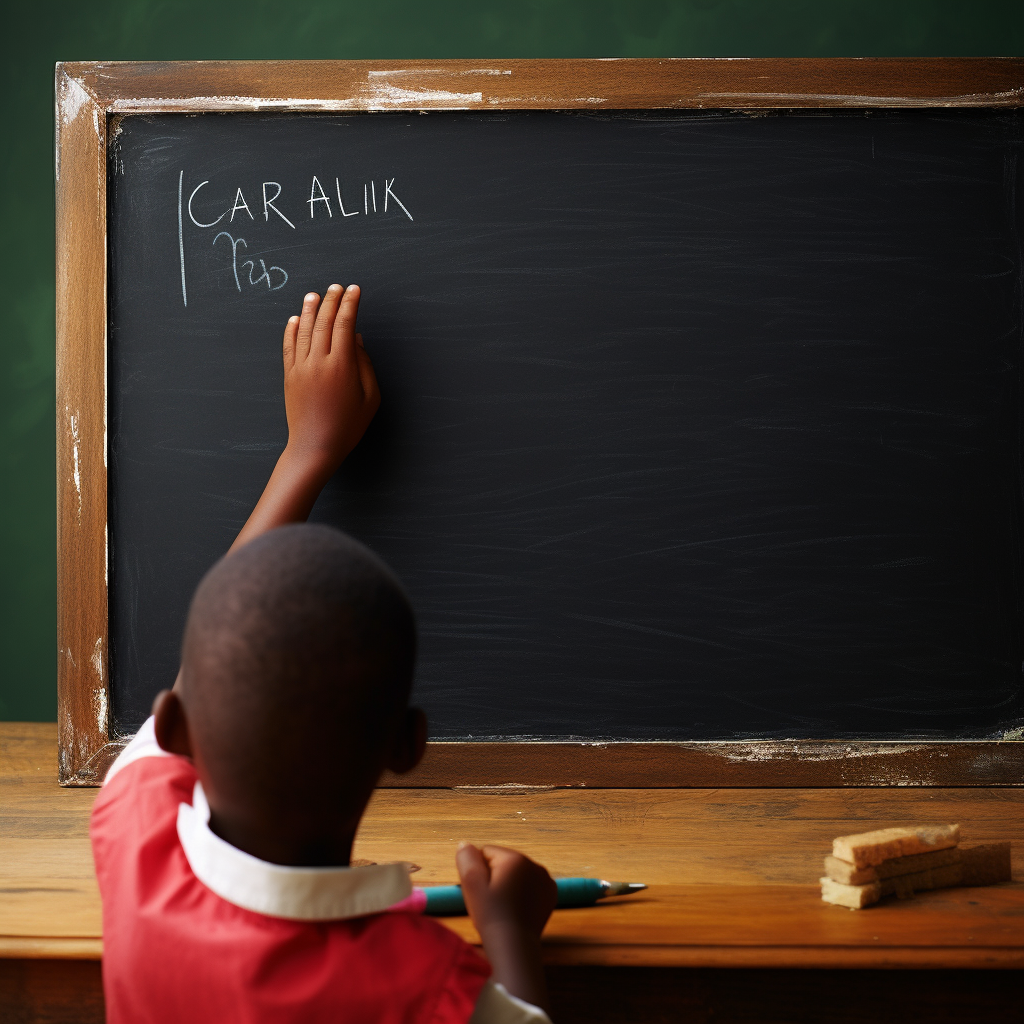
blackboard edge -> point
(511, 767)
(542, 84)
(87, 94)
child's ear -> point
(410, 742)
(170, 724)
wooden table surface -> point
(732, 872)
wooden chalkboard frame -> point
(89, 94)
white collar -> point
(300, 894)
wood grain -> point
(49, 902)
(732, 872)
(512, 767)
(81, 433)
(552, 84)
(759, 763)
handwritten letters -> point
(378, 199)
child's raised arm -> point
(330, 396)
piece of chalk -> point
(869, 848)
(903, 886)
(854, 896)
(845, 872)
(987, 864)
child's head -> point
(296, 668)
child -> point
(223, 833)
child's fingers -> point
(291, 332)
(494, 853)
(324, 326)
(345, 321)
(474, 872)
(305, 334)
(501, 858)
(359, 341)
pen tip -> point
(624, 888)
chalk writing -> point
(240, 204)
(192, 216)
(251, 264)
(235, 243)
(314, 198)
(199, 213)
(341, 205)
(268, 204)
(388, 192)
(265, 276)
(181, 241)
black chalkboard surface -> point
(694, 426)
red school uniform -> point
(196, 930)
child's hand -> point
(502, 887)
(330, 389)
(510, 899)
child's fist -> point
(330, 389)
(503, 887)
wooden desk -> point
(733, 885)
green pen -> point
(447, 901)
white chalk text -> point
(324, 204)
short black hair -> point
(298, 654)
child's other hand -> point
(504, 888)
(330, 389)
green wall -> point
(36, 35)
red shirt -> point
(176, 951)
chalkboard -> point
(695, 425)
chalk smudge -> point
(99, 706)
(76, 471)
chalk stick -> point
(854, 896)
(903, 886)
(844, 872)
(869, 848)
(986, 864)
